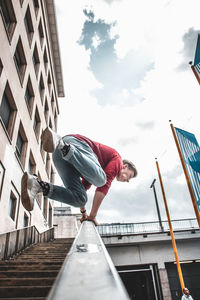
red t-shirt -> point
(109, 159)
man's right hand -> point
(84, 217)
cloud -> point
(119, 77)
(111, 1)
(189, 46)
(123, 85)
(146, 125)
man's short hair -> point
(131, 166)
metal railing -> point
(146, 227)
(12, 243)
(88, 272)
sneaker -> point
(29, 190)
(50, 140)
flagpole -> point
(195, 73)
(180, 275)
(186, 175)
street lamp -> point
(157, 207)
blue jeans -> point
(80, 161)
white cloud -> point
(155, 28)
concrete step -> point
(31, 274)
(24, 291)
(31, 263)
(29, 298)
(29, 267)
(28, 274)
(27, 281)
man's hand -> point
(93, 219)
(84, 217)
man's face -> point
(186, 291)
(125, 174)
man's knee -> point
(101, 180)
(81, 200)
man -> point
(80, 162)
(186, 295)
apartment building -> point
(30, 84)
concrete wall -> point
(153, 249)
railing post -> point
(6, 245)
(88, 272)
(17, 242)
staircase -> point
(30, 275)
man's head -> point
(127, 172)
(186, 291)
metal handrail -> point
(88, 272)
(12, 243)
(114, 229)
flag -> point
(191, 154)
(197, 57)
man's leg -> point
(81, 156)
(77, 153)
(74, 192)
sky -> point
(126, 73)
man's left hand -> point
(93, 219)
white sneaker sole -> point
(27, 200)
(48, 141)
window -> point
(20, 60)
(40, 196)
(50, 215)
(36, 6)
(55, 120)
(21, 145)
(45, 208)
(42, 150)
(36, 61)
(2, 172)
(45, 59)
(52, 102)
(46, 111)
(48, 164)
(41, 87)
(36, 124)
(12, 206)
(1, 67)
(50, 124)
(52, 177)
(8, 110)
(8, 16)
(25, 220)
(29, 25)
(49, 82)
(31, 164)
(29, 95)
(41, 33)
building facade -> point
(30, 84)
(144, 257)
(66, 224)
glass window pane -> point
(19, 144)
(5, 110)
(12, 206)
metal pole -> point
(195, 74)
(171, 230)
(157, 206)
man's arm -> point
(97, 200)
